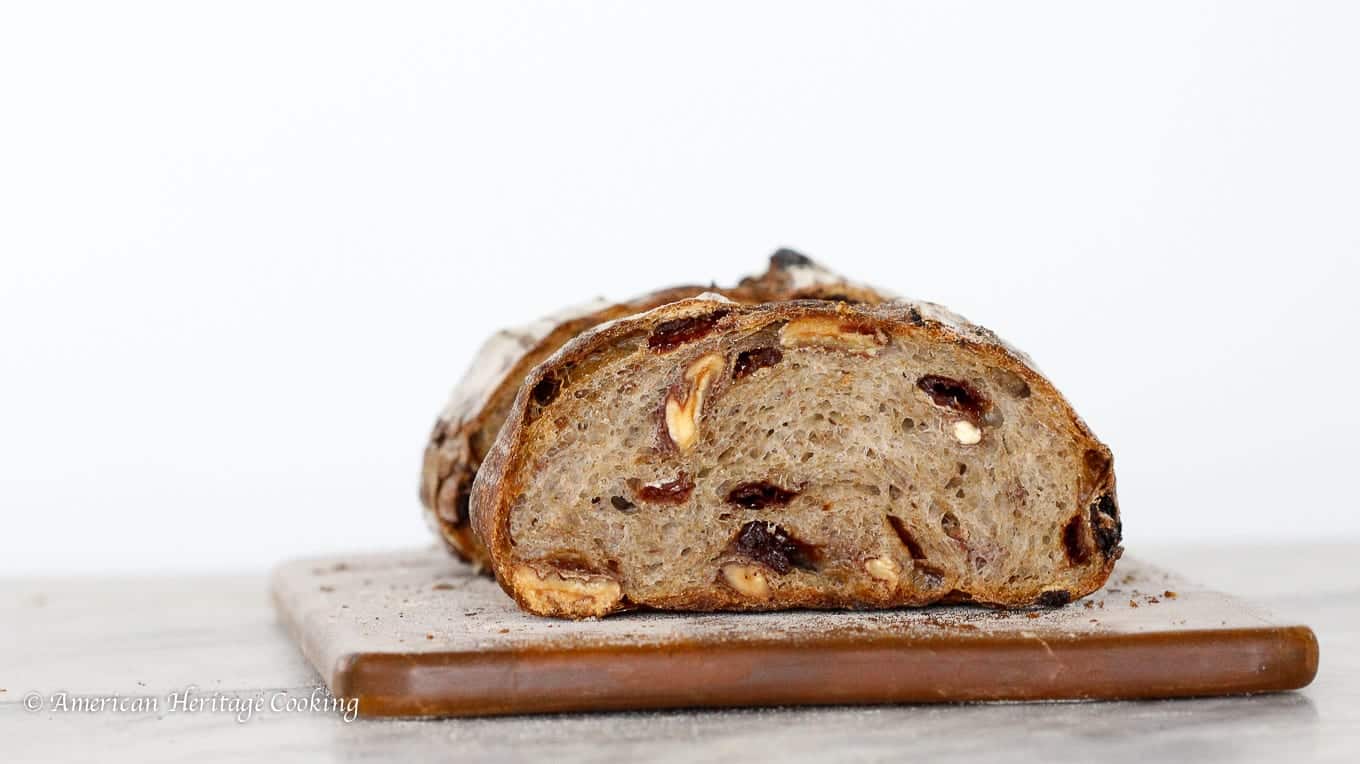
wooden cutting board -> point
(416, 633)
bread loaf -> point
(712, 455)
(469, 423)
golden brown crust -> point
(500, 478)
(462, 436)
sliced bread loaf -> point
(709, 455)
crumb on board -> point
(1169, 594)
(443, 586)
(1133, 604)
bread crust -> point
(459, 440)
(501, 477)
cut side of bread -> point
(470, 422)
(709, 455)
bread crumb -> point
(1133, 604)
(1169, 594)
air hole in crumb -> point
(1012, 383)
(963, 468)
(949, 522)
(899, 527)
(1076, 542)
(623, 505)
(546, 390)
(894, 492)
(908, 423)
(932, 577)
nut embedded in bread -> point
(794, 454)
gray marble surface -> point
(218, 635)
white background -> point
(246, 251)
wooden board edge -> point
(288, 618)
(832, 671)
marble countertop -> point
(212, 646)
